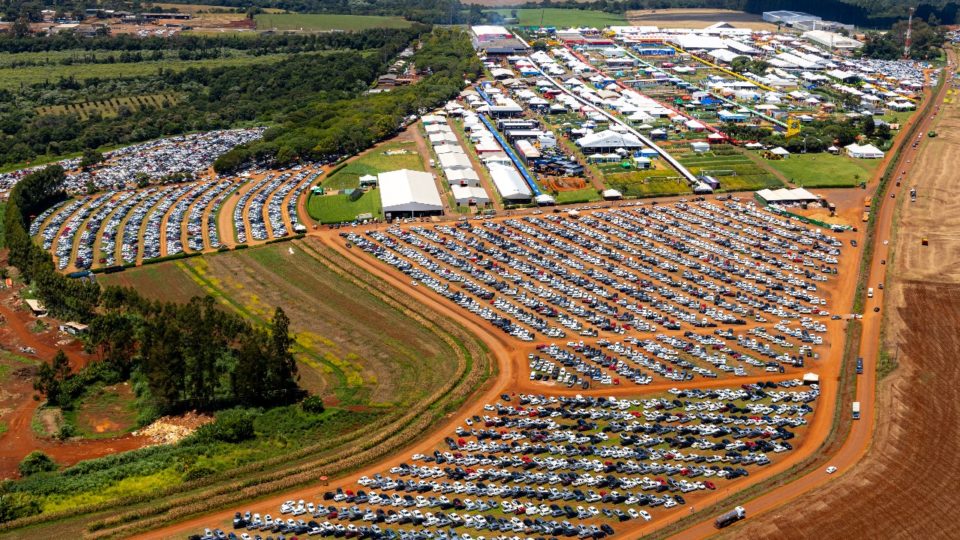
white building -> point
(509, 183)
(831, 40)
(406, 192)
(608, 140)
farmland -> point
(13, 78)
(324, 23)
(111, 107)
(735, 171)
(697, 18)
(564, 18)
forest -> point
(325, 129)
(213, 97)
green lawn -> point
(338, 208)
(376, 161)
(825, 170)
(652, 186)
(565, 18)
(322, 23)
(587, 194)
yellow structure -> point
(793, 127)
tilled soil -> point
(902, 489)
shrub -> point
(312, 404)
(36, 462)
(17, 505)
(231, 425)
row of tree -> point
(816, 136)
(324, 129)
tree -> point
(90, 157)
(36, 462)
(50, 378)
(281, 376)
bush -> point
(313, 404)
(36, 462)
(17, 505)
(231, 425)
(198, 472)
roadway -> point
(861, 433)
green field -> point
(338, 208)
(565, 18)
(13, 78)
(735, 171)
(403, 155)
(587, 194)
(322, 23)
(825, 170)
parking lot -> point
(578, 466)
(636, 294)
(130, 226)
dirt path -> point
(20, 438)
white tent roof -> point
(609, 139)
(465, 193)
(408, 191)
(454, 161)
(780, 151)
(509, 182)
(783, 194)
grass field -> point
(697, 18)
(565, 18)
(111, 107)
(735, 171)
(825, 170)
(587, 194)
(13, 78)
(403, 156)
(156, 281)
(339, 208)
(322, 23)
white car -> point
(645, 515)
(831, 469)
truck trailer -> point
(856, 410)
(730, 517)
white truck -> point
(856, 410)
(730, 517)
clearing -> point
(339, 208)
(305, 22)
(697, 18)
(108, 411)
(564, 18)
(383, 158)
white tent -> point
(465, 195)
(454, 161)
(509, 183)
(786, 195)
(780, 151)
(409, 192)
(866, 151)
(368, 180)
(462, 176)
(608, 139)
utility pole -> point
(906, 42)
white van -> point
(870, 292)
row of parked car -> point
(72, 228)
(650, 270)
(562, 466)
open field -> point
(339, 208)
(735, 171)
(697, 18)
(155, 281)
(587, 194)
(324, 23)
(382, 158)
(105, 412)
(565, 18)
(825, 170)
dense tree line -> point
(62, 296)
(815, 136)
(323, 129)
(925, 44)
(69, 41)
(215, 98)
